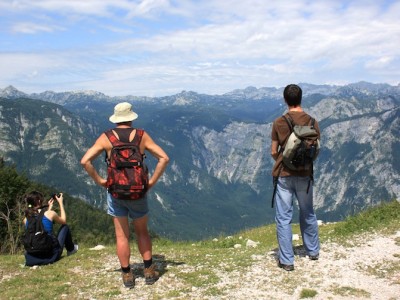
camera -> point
(54, 195)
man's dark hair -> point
(292, 95)
(127, 123)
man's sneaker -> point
(128, 279)
(285, 267)
(150, 274)
(314, 257)
(73, 251)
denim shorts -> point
(133, 209)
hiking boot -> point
(286, 267)
(314, 257)
(73, 251)
(128, 279)
(150, 274)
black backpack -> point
(36, 240)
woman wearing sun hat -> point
(120, 209)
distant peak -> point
(11, 88)
(88, 92)
(251, 88)
(11, 92)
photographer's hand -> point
(60, 199)
(51, 203)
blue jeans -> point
(289, 187)
(64, 238)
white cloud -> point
(101, 8)
(147, 6)
(160, 46)
(30, 28)
(380, 62)
(20, 64)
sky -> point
(162, 47)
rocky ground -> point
(367, 268)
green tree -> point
(12, 188)
(89, 225)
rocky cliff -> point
(219, 176)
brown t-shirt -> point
(280, 133)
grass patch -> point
(200, 278)
(384, 269)
(173, 294)
(308, 293)
(385, 217)
(213, 291)
(347, 291)
(191, 268)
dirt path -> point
(370, 269)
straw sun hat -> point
(123, 113)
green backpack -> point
(302, 146)
(300, 150)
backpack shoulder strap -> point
(115, 141)
(111, 136)
(39, 224)
(289, 121)
(312, 122)
(138, 136)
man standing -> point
(292, 183)
(121, 209)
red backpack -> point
(127, 174)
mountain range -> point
(219, 177)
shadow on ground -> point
(160, 262)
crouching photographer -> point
(41, 245)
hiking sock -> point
(148, 263)
(127, 269)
